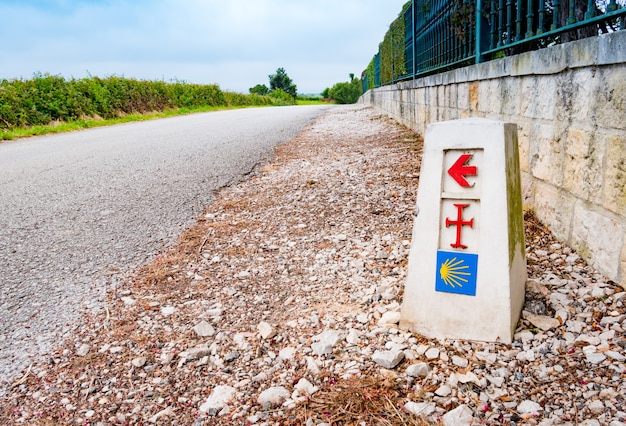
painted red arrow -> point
(459, 170)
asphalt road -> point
(80, 210)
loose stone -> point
(138, 362)
(231, 356)
(529, 407)
(266, 331)
(596, 406)
(195, 353)
(543, 322)
(432, 353)
(595, 357)
(353, 337)
(287, 353)
(204, 329)
(388, 359)
(83, 350)
(616, 356)
(418, 370)
(218, 399)
(325, 342)
(420, 408)
(460, 416)
(167, 310)
(273, 396)
(389, 318)
(443, 390)
(459, 362)
(304, 385)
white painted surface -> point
(492, 313)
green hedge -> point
(371, 75)
(346, 92)
(48, 98)
(392, 53)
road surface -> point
(79, 210)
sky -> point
(233, 43)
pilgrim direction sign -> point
(456, 270)
(467, 267)
(460, 169)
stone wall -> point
(569, 103)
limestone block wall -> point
(569, 103)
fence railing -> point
(444, 34)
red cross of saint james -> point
(459, 223)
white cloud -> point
(234, 43)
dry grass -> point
(369, 400)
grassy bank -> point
(51, 104)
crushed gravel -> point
(280, 306)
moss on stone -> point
(514, 198)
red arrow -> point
(459, 170)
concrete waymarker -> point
(467, 267)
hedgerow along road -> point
(78, 210)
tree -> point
(259, 89)
(346, 92)
(281, 81)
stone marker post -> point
(467, 266)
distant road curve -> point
(78, 210)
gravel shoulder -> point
(280, 306)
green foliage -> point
(281, 81)
(346, 92)
(309, 98)
(260, 89)
(47, 98)
(280, 97)
(370, 73)
(326, 93)
(238, 99)
(462, 20)
(575, 20)
(280, 84)
(392, 54)
(309, 101)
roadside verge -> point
(281, 305)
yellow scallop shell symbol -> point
(453, 272)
